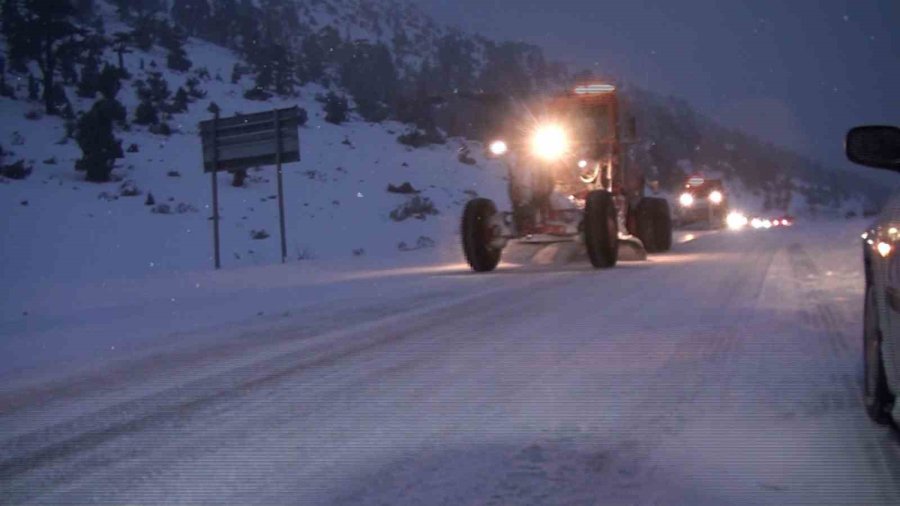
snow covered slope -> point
(59, 227)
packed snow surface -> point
(724, 372)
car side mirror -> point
(874, 146)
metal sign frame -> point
(251, 140)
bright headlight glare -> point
(715, 197)
(549, 142)
(736, 220)
(884, 249)
(498, 148)
(686, 199)
(756, 223)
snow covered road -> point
(725, 372)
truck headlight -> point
(716, 197)
(686, 199)
(549, 142)
(498, 148)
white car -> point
(879, 146)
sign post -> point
(245, 141)
(215, 191)
(278, 149)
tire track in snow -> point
(881, 452)
(174, 406)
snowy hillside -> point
(58, 226)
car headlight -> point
(716, 197)
(549, 142)
(736, 220)
(686, 199)
(498, 148)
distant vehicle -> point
(783, 221)
(569, 180)
(879, 146)
(703, 200)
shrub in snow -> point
(421, 243)
(50, 161)
(150, 201)
(336, 108)
(173, 173)
(161, 129)
(193, 89)
(465, 156)
(417, 207)
(98, 145)
(257, 93)
(129, 189)
(404, 188)
(237, 72)
(17, 138)
(238, 177)
(184, 207)
(358, 252)
(17, 170)
(259, 234)
(132, 148)
(417, 138)
(34, 114)
(161, 209)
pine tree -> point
(98, 145)
(173, 41)
(180, 101)
(90, 77)
(193, 89)
(146, 113)
(5, 89)
(191, 15)
(335, 108)
(109, 83)
(155, 89)
(236, 73)
(311, 65)
(38, 29)
(367, 72)
(34, 89)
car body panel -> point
(883, 272)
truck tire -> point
(601, 229)
(654, 224)
(477, 235)
(876, 395)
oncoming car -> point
(703, 200)
(569, 180)
(879, 146)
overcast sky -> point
(795, 72)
